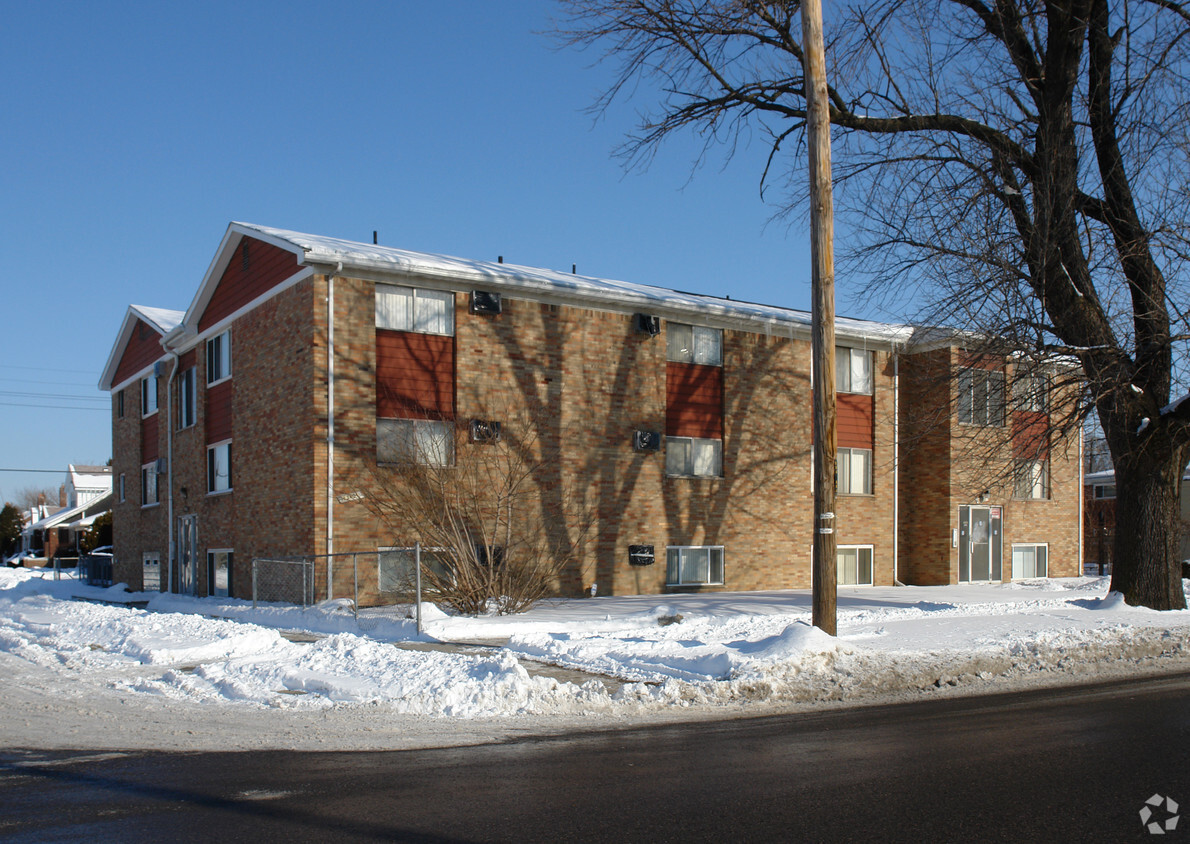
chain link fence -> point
(381, 586)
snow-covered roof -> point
(537, 283)
(163, 319)
(68, 514)
(90, 477)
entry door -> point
(188, 555)
(979, 543)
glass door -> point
(979, 544)
(187, 556)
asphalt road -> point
(1058, 765)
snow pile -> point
(639, 653)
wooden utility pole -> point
(822, 280)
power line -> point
(47, 471)
(34, 395)
(47, 369)
(48, 406)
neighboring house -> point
(1099, 518)
(245, 425)
(86, 495)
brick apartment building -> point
(245, 426)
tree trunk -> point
(1146, 567)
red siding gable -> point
(265, 267)
(855, 420)
(693, 400)
(415, 375)
(144, 347)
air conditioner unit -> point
(484, 431)
(161, 466)
(159, 368)
(483, 302)
(647, 324)
(640, 555)
(646, 440)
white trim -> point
(708, 582)
(1012, 558)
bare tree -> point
(1020, 166)
(473, 497)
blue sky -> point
(136, 131)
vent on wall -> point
(485, 431)
(640, 555)
(647, 324)
(646, 440)
(483, 302)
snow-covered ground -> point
(207, 673)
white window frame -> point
(415, 309)
(148, 396)
(1034, 546)
(149, 480)
(845, 471)
(212, 591)
(976, 401)
(673, 564)
(1030, 392)
(693, 344)
(840, 575)
(852, 366)
(692, 455)
(214, 451)
(430, 442)
(1031, 480)
(188, 399)
(218, 350)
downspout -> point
(896, 463)
(330, 429)
(169, 467)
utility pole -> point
(822, 337)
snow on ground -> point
(643, 658)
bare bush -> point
(492, 508)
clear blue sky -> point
(135, 131)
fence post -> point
(355, 583)
(254, 562)
(304, 587)
(417, 568)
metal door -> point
(187, 558)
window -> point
(853, 471)
(120, 404)
(148, 395)
(854, 565)
(1030, 561)
(187, 394)
(694, 344)
(1105, 490)
(410, 309)
(219, 357)
(1030, 391)
(396, 573)
(981, 397)
(219, 573)
(1031, 479)
(694, 565)
(853, 371)
(414, 441)
(148, 484)
(151, 572)
(219, 467)
(121, 485)
(693, 457)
